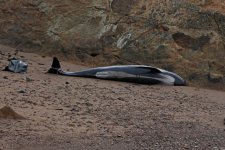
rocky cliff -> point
(186, 36)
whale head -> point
(176, 79)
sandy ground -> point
(80, 113)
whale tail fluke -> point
(55, 66)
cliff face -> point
(185, 36)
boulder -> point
(7, 112)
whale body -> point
(127, 73)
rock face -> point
(179, 35)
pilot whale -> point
(127, 73)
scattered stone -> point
(9, 55)
(76, 109)
(8, 113)
(5, 77)
(88, 104)
(21, 91)
(28, 79)
(121, 99)
(41, 64)
(119, 135)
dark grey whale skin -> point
(127, 73)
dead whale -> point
(127, 73)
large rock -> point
(181, 34)
(7, 112)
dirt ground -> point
(79, 113)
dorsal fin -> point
(55, 66)
(55, 63)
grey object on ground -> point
(16, 65)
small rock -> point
(21, 91)
(119, 135)
(5, 77)
(120, 98)
(186, 146)
(28, 79)
(67, 83)
(41, 64)
(75, 109)
(215, 77)
(88, 104)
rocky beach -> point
(58, 112)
